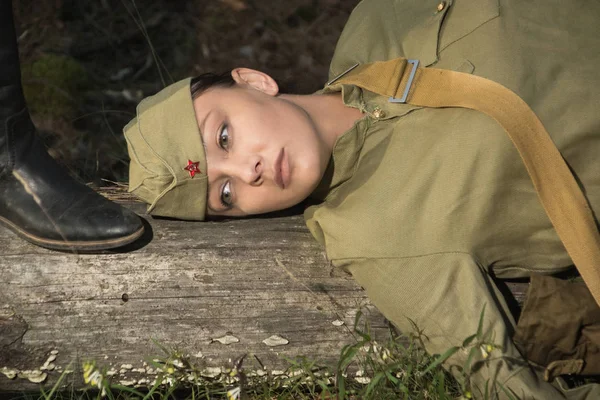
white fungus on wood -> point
(178, 363)
(211, 372)
(259, 372)
(48, 366)
(337, 322)
(227, 339)
(361, 378)
(275, 340)
(34, 375)
(199, 355)
(10, 373)
(143, 381)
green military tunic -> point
(423, 206)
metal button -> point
(441, 6)
(378, 113)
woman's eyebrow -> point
(208, 188)
(208, 196)
(203, 123)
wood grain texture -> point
(184, 285)
(191, 283)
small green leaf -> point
(357, 319)
(468, 340)
(348, 357)
(392, 377)
(480, 326)
(472, 353)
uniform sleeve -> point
(444, 295)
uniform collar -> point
(347, 147)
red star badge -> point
(192, 167)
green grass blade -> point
(447, 354)
(506, 391)
(153, 389)
(373, 384)
(341, 384)
(348, 356)
(127, 390)
(57, 384)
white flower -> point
(385, 354)
(234, 394)
(93, 377)
(486, 349)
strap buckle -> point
(342, 74)
(392, 99)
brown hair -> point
(201, 83)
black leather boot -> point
(38, 199)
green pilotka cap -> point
(168, 162)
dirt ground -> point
(87, 63)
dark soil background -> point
(87, 63)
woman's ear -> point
(255, 79)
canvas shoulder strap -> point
(566, 206)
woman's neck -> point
(328, 112)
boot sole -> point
(92, 245)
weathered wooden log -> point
(185, 285)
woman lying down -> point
(424, 199)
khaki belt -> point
(566, 206)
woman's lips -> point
(282, 170)
(285, 169)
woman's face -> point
(263, 151)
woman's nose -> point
(252, 170)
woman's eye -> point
(226, 197)
(224, 138)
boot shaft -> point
(16, 129)
(10, 72)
